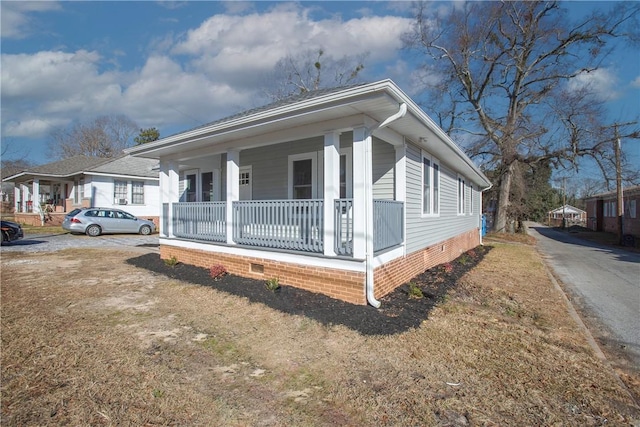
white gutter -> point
(368, 206)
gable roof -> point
(127, 165)
(121, 166)
(343, 107)
(568, 209)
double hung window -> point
(430, 185)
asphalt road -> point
(46, 242)
(605, 280)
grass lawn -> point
(89, 339)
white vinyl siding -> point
(384, 159)
(424, 231)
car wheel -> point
(145, 230)
(5, 238)
(93, 230)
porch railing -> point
(280, 224)
(387, 224)
(284, 224)
(165, 219)
(200, 221)
(343, 224)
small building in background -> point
(571, 214)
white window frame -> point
(119, 195)
(460, 194)
(348, 171)
(434, 190)
(313, 156)
(470, 199)
(141, 183)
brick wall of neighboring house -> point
(34, 220)
(344, 285)
(602, 211)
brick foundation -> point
(339, 284)
(401, 270)
(344, 285)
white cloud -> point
(216, 69)
(601, 82)
(258, 41)
(16, 20)
(636, 82)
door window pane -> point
(191, 188)
(302, 179)
(207, 187)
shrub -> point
(273, 284)
(217, 271)
(448, 268)
(464, 259)
(171, 262)
(414, 291)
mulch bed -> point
(398, 312)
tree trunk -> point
(503, 199)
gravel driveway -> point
(54, 242)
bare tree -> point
(505, 67)
(312, 70)
(105, 136)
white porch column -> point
(401, 184)
(233, 189)
(35, 189)
(17, 200)
(331, 188)
(164, 196)
(173, 179)
(362, 194)
(25, 196)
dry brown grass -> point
(90, 340)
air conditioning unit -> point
(121, 201)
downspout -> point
(370, 292)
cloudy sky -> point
(177, 65)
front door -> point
(246, 183)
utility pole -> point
(619, 193)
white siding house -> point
(349, 192)
(50, 191)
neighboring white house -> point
(568, 214)
(348, 191)
(54, 189)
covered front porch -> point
(286, 225)
(338, 194)
(41, 202)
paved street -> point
(606, 281)
(53, 242)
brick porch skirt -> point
(348, 286)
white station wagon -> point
(97, 221)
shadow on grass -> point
(398, 313)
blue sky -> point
(177, 65)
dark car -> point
(97, 221)
(11, 231)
